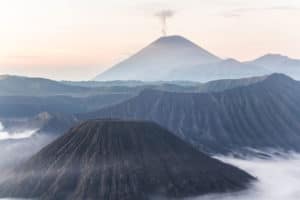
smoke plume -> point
(163, 15)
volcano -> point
(120, 160)
(173, 58)
(157, 60)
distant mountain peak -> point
(275, 59)
(173, 39)
(280, 64)
(272, 56)
(278, 81)
(159, 59)
(279, 76)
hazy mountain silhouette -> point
(225, 69)
(120, 160)
(158, 59)
(280, 64)
(19, 85)
(176, 58)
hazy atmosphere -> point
(150, 100)
(82, 38)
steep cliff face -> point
(120, 160)
(265, 114)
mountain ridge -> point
(261, 115)
(280, 64)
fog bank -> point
(15, 151)
(279, 179)
(5, 135)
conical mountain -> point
(158, 59)
(120, 160)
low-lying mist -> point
(5, 135)
(279, 179)
(17, 147)
(13, 152)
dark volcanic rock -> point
(265, 114)
(120, 160)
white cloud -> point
(279, 179)
(4, 135)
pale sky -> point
(77, 39)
